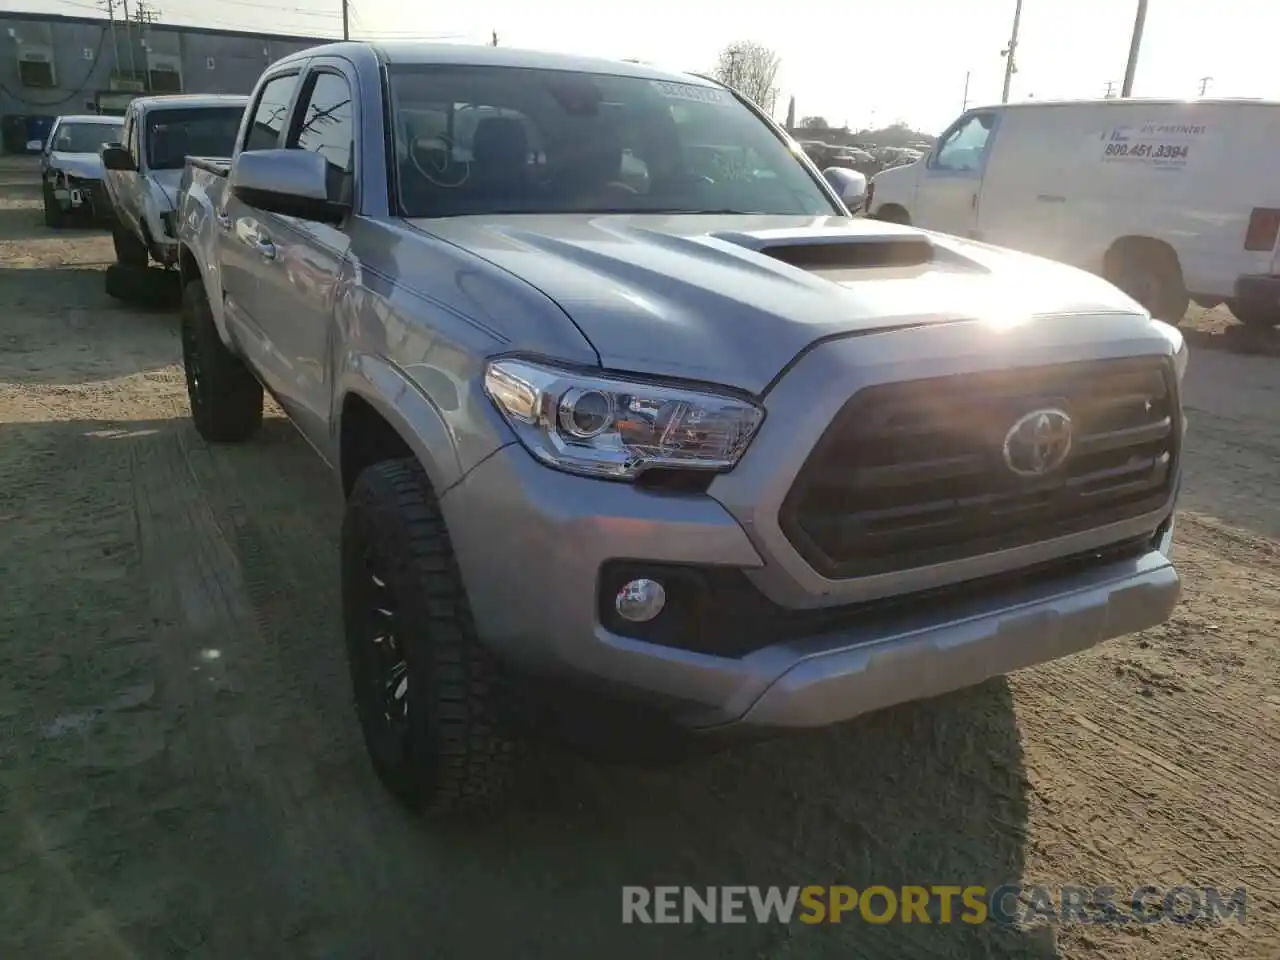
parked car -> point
(1171, 200)
(708, 449)
(71, 169)
(144, 169)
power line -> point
(301, 11)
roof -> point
(89, 118)
(1112, 102)
(411, 52)
(191, 100)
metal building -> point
(51, 65)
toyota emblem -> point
(1038, 443)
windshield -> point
(476, 140)
(174, 135)
(84, 137)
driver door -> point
(950, 184)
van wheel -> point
(1150, 273)
(427, 693)
(226, 398)
(892, 213)
(54, 216)
(1254, 315)
(130, 251)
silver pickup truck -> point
(144, 169)
(626, 406)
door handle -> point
(265, 247)
(223, 221)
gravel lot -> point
(181, 772)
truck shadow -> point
(27, 223)
(259, 802)
(61, 328)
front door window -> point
(965, 146)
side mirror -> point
(849, 184)
(293, 183)
(116, 157)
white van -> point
(1171, 200)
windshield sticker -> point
(688, 91)
(1162, 145)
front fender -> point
(409, 411)
(197, 255)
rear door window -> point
(270, 113)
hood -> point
(168, 182)
(733, 299)
(86, 166)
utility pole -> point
(145, 15)
(495, 38)
(346, 20)
(1135, 44)
(965, 106)
(733, 68)
(1204, 84)
(128, 39)
(1010, 52)
(1111, 89)
(110, 6)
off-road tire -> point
(130, 251)
(226, 398)
(54, 216)
(1151, 274)
(451, 753)
(1253, 316)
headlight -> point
(601, 426)
(1179, 344)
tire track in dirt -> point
(1159, 766)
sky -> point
(864, 64)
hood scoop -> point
(839, 249)
(896, 252)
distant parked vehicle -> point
(1170, 200)
(71, 170)
(144, 170)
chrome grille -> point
(913, 473)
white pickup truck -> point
(142, 172)
(678, 436)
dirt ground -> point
(181, 773)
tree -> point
(815, 123)
(752, 69)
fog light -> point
(640, 600)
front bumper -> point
(75, 195)
(531, 543)
(536, 548)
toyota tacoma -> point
(623, 401)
